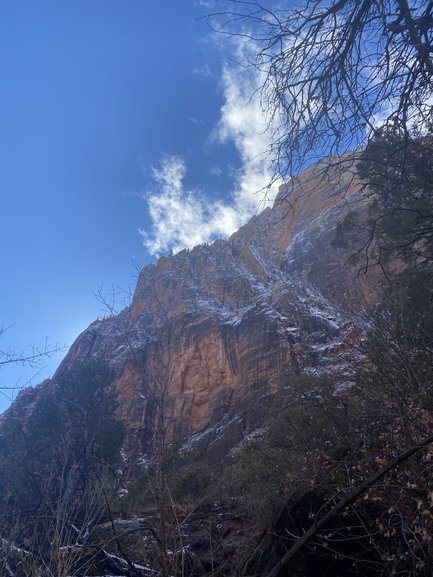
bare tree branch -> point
(345, 502)
(332, 71)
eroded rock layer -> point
(212, 332)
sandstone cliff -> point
(211, 332)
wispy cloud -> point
(204, 3)
(242, 122)
(182, 217)
(203, 71)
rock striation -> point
(214, 332)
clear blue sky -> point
(114, 115)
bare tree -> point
(58, 461)
(33, 358)
(334, 70)
(62, 536)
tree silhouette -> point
(334, 70)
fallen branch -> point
(344, 502)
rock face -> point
(211, 332)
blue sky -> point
(125, 131)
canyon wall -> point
(214, 332)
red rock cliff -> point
(211, 332)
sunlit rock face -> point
(211, 332)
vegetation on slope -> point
(339, 482)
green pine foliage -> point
(308, 420)
(397, 226)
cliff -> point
(211, 332)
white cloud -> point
(183, 218)
(242, 122)
(203, 3)
(203, 71)
(216, 171)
